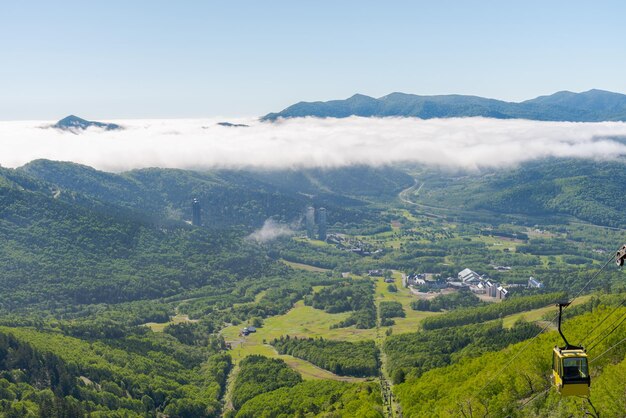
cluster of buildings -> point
(310, 223)
(466, 278)
(469, 279)
(352, 245)
(425, 280)
(477, 284)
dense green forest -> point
(352, 295)
(462, 299)
(412, 354)
(55, 252)
(317, 399)
(48, 371)
(258, 374)
(340, 357)
(232, 198)
(388, 310)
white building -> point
(469, 277)
(534, 283)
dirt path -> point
(391, 408)
(228, 396)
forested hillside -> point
(47, 374)
(231, 198)
(515, 381)
(319, 399)
(340, 357)
(588, 190)
(113, 305)
(61, 252)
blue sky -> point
(150, 59)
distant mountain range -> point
(75, 124)
(589, 106)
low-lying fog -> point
(466, 143)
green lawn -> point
(159, 327)
(313, 242)
(301, 321)
(498, 243)
(306, 267)
(305, 321)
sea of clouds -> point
(459, 143)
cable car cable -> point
(515, 356)
(610, 332)
(600, 323)
(612, 323)
(533, 397)
(607, 350)
(593, 278)
(620, 256)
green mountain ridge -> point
(588, 190)
(589, 106)
(229, 198)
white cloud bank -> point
(467, 143)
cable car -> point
(570, 371)
(570, 367)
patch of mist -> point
(270, 231)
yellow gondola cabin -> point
(570, 371)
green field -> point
(499, 243)
(305, 321)
(306, 267)
(160, 326)
(301, 321)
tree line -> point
(344, 358)
(491, 311)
